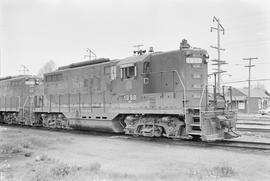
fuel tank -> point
(96, 125)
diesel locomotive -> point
(156, 94)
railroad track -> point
(253, 124)
(242, 145)
(254, 129)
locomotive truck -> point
(156, 94)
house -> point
(259, 99)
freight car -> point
(150, 94)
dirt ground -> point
(29, 154)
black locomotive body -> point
(154, 94)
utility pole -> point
(249, 72)
(24, 69)
(90, 54)
(0, 61)
(217, 61)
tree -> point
(48, 67)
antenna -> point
(137, 46)
(139, 51)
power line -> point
(240, 81)
(239, 64)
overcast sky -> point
(36, 31)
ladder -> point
(193, 122)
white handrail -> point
(24, 105)
(184, 88)
(200, 104)
(25, 101)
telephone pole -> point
(90, 54)
(249, 72)
(24, 69)
(218, 62)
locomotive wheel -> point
(158, 131)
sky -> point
(33, 32)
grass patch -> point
(217, 172)
(24, 143)
(222, 171)
(9, 148)
(53, 170)
(63, 170)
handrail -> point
(24, 105)
(25, 101)
(200, 104)
(184, 88)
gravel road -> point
(29, 154)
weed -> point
(61, 171)
(222, 171)
(216, 172)
(28, 154)
(42, 158)
(9, 148)
(24, 144)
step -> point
(195, 124)
(195, 132)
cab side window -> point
(146, 67)
(113, 72)
(128, 72)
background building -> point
(259, 99)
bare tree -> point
(48, 67)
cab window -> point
(128, 72)
(146, 67)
